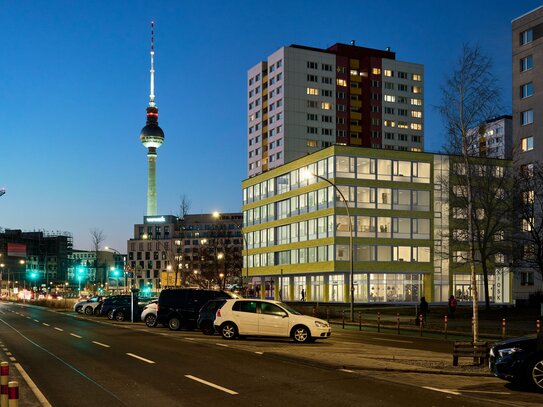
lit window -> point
(389, 123)
(527, 144)
(403, 125)
(326, 106)
(312, 91)
(312, 143)
(416, 126)
(526, 37)
(416, 102)
(416, 89)
(354, 72)
(388, 72)
(527, 117)
(527, 224)
(389, 98)
(341, 82)
(526, 90)
(528, 197)
(376, 71)
(416, 113)
(526, 63)
(417, 77)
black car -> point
(519, 360)
(206, 317)
(179, 307)
(115, 301)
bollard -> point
(421, 324)
(446, 325)
(538, 326)
(378, 322)
(327, 315)
(359, 320)
(398, 321)
(13, 394)
(343, 321)
(4, 373)
(504, 325)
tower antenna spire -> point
(152, 94)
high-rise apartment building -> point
(527, 70)
(303, 99)
(493, 139)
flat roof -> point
(525, 14)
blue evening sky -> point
(75, 83)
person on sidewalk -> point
(452, 306)
(303, 295)
(423, 309)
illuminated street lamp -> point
(306, 174)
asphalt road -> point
(78, 362)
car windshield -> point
(289, 308)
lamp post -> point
(114, 269)
(307, 174)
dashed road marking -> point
(77, 336)
(347, 370)
(101, 344)
(259, 353)
(223, 345)
(12, 359)
(140, 358)
(59, 329)
(215, 386)
(443, 390)
(36, 320)
(9, 354)
(45, 324)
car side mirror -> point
(285, 315)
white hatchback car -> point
(148, 315)
(268, 318)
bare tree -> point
(529, 190)
(98, 237)
(469, 97)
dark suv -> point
(206, 317)
(179, 307)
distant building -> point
(303, 99)
(494, 138)
(106, 273)
(167, 251)
(35, 258)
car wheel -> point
(110, 314)
(208, 328)
(79, 309)
(301, 334)
(97, 311)
(88, 310)
(535, 374)
(174, 324)
(150, 320)
(119, 316)
(229, 330)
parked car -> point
(519, 360)
(206, 316)
(88, 306)
(112, 302)
(122, 312)
(148, 315)
(249, 317)
(178, 307)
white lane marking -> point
(59, 329)
(140, 358)
(223, 345)
(45, 324)
(215, 386)
(443, 390)
(36, 320)
(77, 336)
(259, 353)
(190, 339)
(9, 353)
(28, 318)
(346, 370)
(101, 344)
(484, 392)
(12, 359)
(392, 340)
(39, 395)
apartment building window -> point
(389, 110)
(402, 137)
(388, 72)
(527, 144)
(340, 133)
(417, 77)
(326, 119)
(312, 116)
(416, 126)
(341, 108)
(341, 82)
(312, 78)
(416, 139)
(355, 97)
(312, 130)
(526, 90)
(402, 75)
(326, 67)
(376, 71)
(376, 121)
(526, 278)
(416, 102)
(376, 109)
(376, 84)
(312, 91)
(312, 143)
(355, 85)
(416, 114)
(389, 136)
(340, 120)
(279, 63)
(272, 68)
(402, 99)
(402, 88)
(326, 132)
(389, 123)
(403, 125)
(327, 80)
(389, 98)
(312, 65)
(312, 103)
(527, 117)
(326, 106)
(526, 37)
(327, 93)
(341, 95)
(416, 89)
(389, 85)
(526, 63)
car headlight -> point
(320, 324)
(508, 351)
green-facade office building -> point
(298, 240)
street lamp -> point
(306, 174)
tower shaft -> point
(151, 183)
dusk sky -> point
(75, 84)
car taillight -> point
(218, 314)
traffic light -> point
(81, 271)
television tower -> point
(151, 135)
